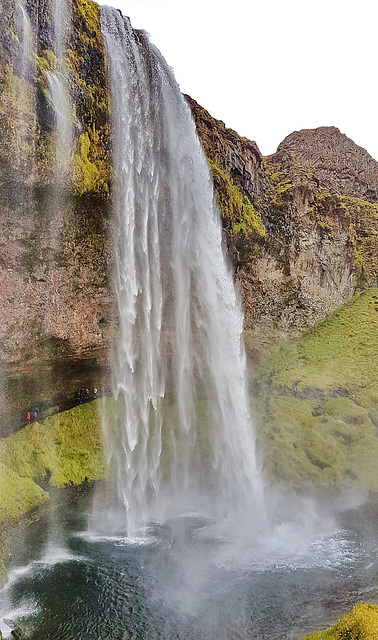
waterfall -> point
(181, 439)
(58, 85)
(21, 93)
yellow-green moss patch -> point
(18, 495)
(360, 624)
(89, 12)
(332, 444)
(338, 352)
(280, 185)
(91, 172)
(238, 213)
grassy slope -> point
(65, 449)
(317, 400)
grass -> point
(316, 404)
(66, 449)
(338, 352)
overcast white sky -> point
(270, 67)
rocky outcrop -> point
(238, 157)
(236, 165)
(318, 239)
(334, 160)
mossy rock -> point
(279, 184)
(18, 495)
(237, 211)
(360, 624)
(91, 171)
(328, 445)
(340, 352)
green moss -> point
(91, 172)
(46, 63)
(66, 449)
(280, 185)
(328, 445)
(360, 624)
(18, 495)
(235, 208)
(89, 12)
(338, 352)
(317, 401)
(77, 443)
(85, 60)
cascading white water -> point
(58, 86)
(24, 98)
(181, 439)
(27, 39)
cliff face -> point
(54, 199)
(300, 227)
(318, 242)
(53, 247)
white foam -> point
(56, 555)
(10, 617)
(118, 540)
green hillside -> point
(316, 400)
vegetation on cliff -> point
(66, 449)
(233, 185)
(359, 624)
(316, 401)
(238, 213)
(86, 62)
(27, 111)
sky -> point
(270, 67)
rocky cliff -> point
(54, 203)
(313, 237)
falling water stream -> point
(185, 544)
(181, 439)
(58, 87)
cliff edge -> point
(314, 238)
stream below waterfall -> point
(64, 583)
